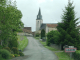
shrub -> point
(7, 48)
(13, 42)
(76, 55)
(53, 37)
(12, 52)
(1, 47)
(12, 55)
(16, 55)
(5, 53)
(15, 50)
(42, 33)
(21, 54)
(37, 34)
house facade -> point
(27, 30)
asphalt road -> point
(35, 51)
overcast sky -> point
(51, 10)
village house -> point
(27, 30)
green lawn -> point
(23, 42)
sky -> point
(51, 10)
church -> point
(46, 26)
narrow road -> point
(35, 51)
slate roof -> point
(43, 26)
(52, 25)
(39, 16)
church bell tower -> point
(39, 20)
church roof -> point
(39, 16)
(39, 13)
(43, 26)
(52, 25)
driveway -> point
(35, 51)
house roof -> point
(52, 25)
(43, 26)
(27, 31)
(28, 28)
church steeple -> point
(39, 13)
(39, 16)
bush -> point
(5, 53)
(12, 55)
(21, 54)
(1, 47)
(12, 52)
(13, 42)
(76, 55)
(15, 50)
(7, 48)
(37, 34)
(42, 33)
(16, 55)
(53, 37)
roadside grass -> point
(48, 47)
(22, 42)
(37, 38)
(61, 55)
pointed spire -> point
(39, 16)
(39, 13)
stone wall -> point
(56, 46)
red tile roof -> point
(52, 25)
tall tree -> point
(42, 33)
(10, 22)
(68, 31)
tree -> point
(52, 37)
(42, 33)
(68, 31)
(10, 23)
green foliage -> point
(10, 23)
(53, 37)
(5, 53)
(37, 34)
(69, 34)
(15, 50)
(42, 33)
(13, 42)
(76, 55)
(1, 47)
(21, 54)
(7, 48)
(16, 55)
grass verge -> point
(60, 55)
(23, 42)
(37, 38)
